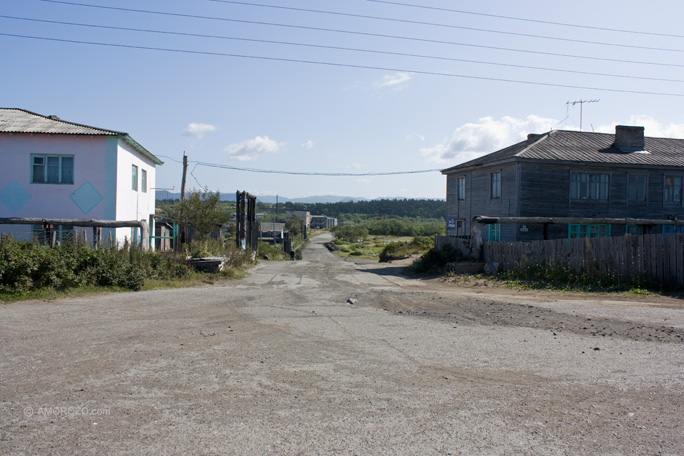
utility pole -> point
(185, 172)
(183, 230)
(581, 103)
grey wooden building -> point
(570, 174)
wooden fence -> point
(654, 258)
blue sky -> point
(419, 85)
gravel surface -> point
(324, 356)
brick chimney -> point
(629, 139)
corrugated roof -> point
(575, 146)
(14, 120)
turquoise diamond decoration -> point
(86, 197)
(14, 196)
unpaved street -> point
(322, 356)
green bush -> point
(29, 266)
(399, 250)
(435, 260)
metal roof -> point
(584, 147)
(14, 120)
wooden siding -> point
(653, 258)
(543, 190)
(478, 199)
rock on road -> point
(322, 356)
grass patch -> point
(562, 278)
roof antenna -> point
(581, 103)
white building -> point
(57, 169)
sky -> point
(357, 87)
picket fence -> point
(655, 258)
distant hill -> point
(162, 195)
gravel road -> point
(324, 356)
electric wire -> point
(344, 65)
(339, 48)
(436, 24)
(377, 35)
(523, 19)
(301, 173)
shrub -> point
(399, 250)
(435, 260)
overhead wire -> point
(523, 19)
(300, 173)
(377, 35)
(344, 65)
(451, 26)
(342, 48)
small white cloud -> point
(355, 165)
(308, 145)
(472, 140)
(396, 81)
(413, 136)
(198, 130)
(252, 149)
(362, 180)
(652, 127)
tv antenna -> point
(581, 103)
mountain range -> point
(162, 195)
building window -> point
(667, 229)
(134, 176)
(576, 230)
(673, 189)
(494, 232)
(589, 186)
(496, 185)
(52, 169)
(636, 230)
(143, 180)
(461, 188)
(637, 187)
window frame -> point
(589, 186)
(637, 192)
(63, 178)
(494, 232)
(143, 180)
(134, 178)
(585, 230)
(460, 188)
(495, 185)
(675, 197)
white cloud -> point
(652, 127)
(308, 145)
(355, 165)
(472, 140)
(396, 81)
(198, 130)
(251, 149)
(413, 136)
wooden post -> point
(476, 239)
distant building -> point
(303, 215)
(58, 169)
(321, 222)
(272, 232)
(570, 174)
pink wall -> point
(52, 200)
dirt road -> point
(323, 356)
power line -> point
(304, 173)
(377, 35)
(344, 65)
(436, 24)
(537, 21)
(339, 48)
